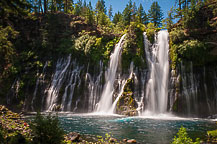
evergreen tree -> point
(78, 7)
(100, 12)
(141, 15)
(117, 18)
(134, 11)
(127, 13)
(89, 15)
(110, 12)
(90, 6)
(100, 6)
(155, 14)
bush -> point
(46, 130)
(183, 138)
(1, 135)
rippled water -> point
(144, 129)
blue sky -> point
(119, 5)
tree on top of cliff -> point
(155, 14)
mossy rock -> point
(127, 104)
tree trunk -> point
(66, 6)
(45, 6)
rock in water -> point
(131, 141)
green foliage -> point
(150, 32)
(133, 47)
(190, 38)
(46, 130)
(13, 130)
(2, 140)
(177, 35)
(192, 50)
(117, 18)
(183, 138)
(85, 43)
(7, 50)
(212, 134)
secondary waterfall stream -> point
(157, 86)
(105, 102)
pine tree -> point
(155, 14)
(127, 13)
(134, 11)
(141, 15)
(100, 6)
(117, 18)
(78, 7)
(110, 12)
(100, 11)
(89, 15)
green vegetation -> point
(193, 37)
(183, 138)
(133, 48)
(12, 128)
(46, 130)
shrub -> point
(150, 31)
(46, 130)
(183, 138)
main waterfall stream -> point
(157, 86)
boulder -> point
(131, 141)
(112, 140)
(74, 137)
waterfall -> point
(57, 82)
(74, 81)
(105, 102)
(14, 90)
(94, 87)
(157, 86)
(39, 80)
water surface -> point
(153, 130)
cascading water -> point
(74, 81)
(94, 86)
(39, 80)
(105, 102)
(58, 79)
(157, 86)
